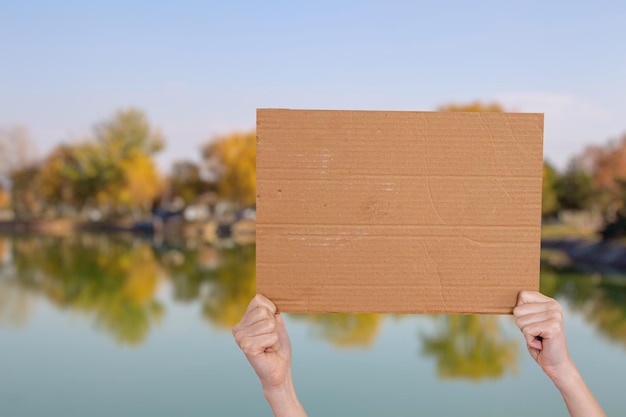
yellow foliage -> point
(345, 330)
(233, 161)
(476, 106)
(4, 250)
(142, 277)
(471, 347)
(5, 199)
(143, 183)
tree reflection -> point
(112, 281)
(4, 251)
(223, 280)
(600, 298)
(471, 347)
(344, 330)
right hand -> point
(541, 321)
(262, 337)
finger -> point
(265, 302)
(261, 313)
(258, 328)
(536, 307)
(256, 345)
(534, 353)
(550, 329)
(543, 316)
(534, 343)
(527, 296)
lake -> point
(116, 325)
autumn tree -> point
(114, 171)
(55, 185)
(5, 198)
(549, 198)
(231, 161)
(476, 106)
(186, 181)
(607, 165)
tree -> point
(56, 186)
(607, 165)
(549, 198)
(476, 106)
(231, 161)
(186, 181)
(26, 193)
(5, 198)
(114, 170)
(575, 188)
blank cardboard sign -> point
(397, 212)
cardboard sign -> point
(397, 212)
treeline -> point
(594, 182)
(112, 173)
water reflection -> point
(111, 281)
(344, 330)
(600, 298)
(114, 282)
(471, 347)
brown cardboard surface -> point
(397, 212)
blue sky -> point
(200, 68)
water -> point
(97, 325)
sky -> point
(200, 69)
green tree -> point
(231, 161)
(575, 188)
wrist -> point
(284, 390)
(564, 375)
(283, 399)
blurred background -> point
(127, 200)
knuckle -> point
(246, 345)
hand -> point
(262, 337)
(541, 321)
